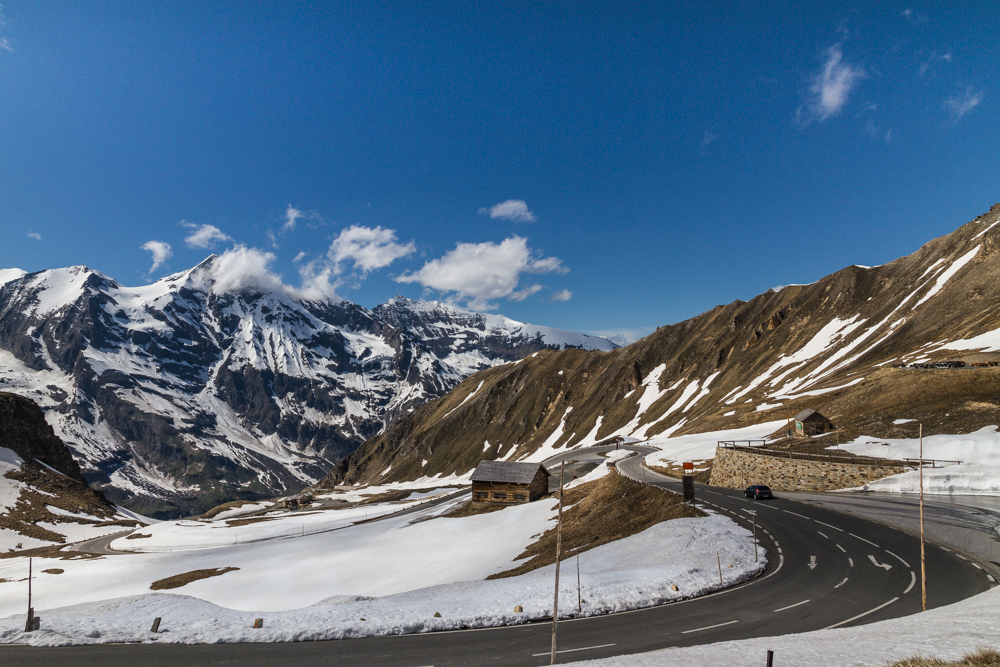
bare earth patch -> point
(608, 509)
(471, 508)
(54, 570)
(136, 536)
(179, 580)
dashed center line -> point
(829, 526)
(795, 514)
(827, 537)
(864, 540)
(913, 580)
(709, 627)
(850, 562)
(572, 650)
(842, 549)
(897, 558)
(842, 583)
(791, 605)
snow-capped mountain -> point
(208, 385)
(834, 345)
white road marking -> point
(710, 627)
(897, 558)
(829, 526)
(779, 550)
(976, 565)
(961, 556)
(913, 580)
(990, 577)
(842, 583)
(790, 606)
(864, 540)
(884, 566)
(812, 566)
(572, 650)
(870, 611)
(823, 535)
(842, 548)
(795, 514)
(754, 512)
(850, 562)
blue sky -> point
(602, 167)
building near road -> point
(506, 482)
(811, 422)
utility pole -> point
(923, 560)
(555, 603)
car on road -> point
(758, 491)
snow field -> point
(394, 573)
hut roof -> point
(810, 414)
(506, 472)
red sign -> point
(688, 465)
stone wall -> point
(737, 470)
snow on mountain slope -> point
(216, 383)
(833, 344)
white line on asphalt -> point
(870, 611)
(705, 628)
(790, 606)
(961, 556)
(842, 583)
(572, 650)
(975, 565)
(823, 535)
(850, 562)
(897, 558)
(884, 566)
(842, 548)
(798, 515)
(990, 577)
(913, 580)
(829, 526)
(864, 540)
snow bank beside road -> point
(978, 474)
(629, 574)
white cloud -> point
(708, 138)
(299, 257)
(961, 104)
(4, 44)
(161, 252)
(932, 60)
(34, 235)
(523, 294)
(293, 214)
(204, 236)
(367, 248)
(241, 269)
(480, 272)
(512, 209)
(830, 88)
(562, 295)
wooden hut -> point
(506, 482)
(811, 422)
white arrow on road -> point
(878, 564)
(812, 562)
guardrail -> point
(831, 458)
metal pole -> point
(579, 594)
(755, 539)
(923, 560)
(555, 602)
(720, 566)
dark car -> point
(758, 491)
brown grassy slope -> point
(984, 657)
(523, 404)
(179, 580)
(599, 512)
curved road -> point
(827, 569)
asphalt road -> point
(827, 569)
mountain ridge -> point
(826, 344)
(219, 382)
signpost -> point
(688, 480)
